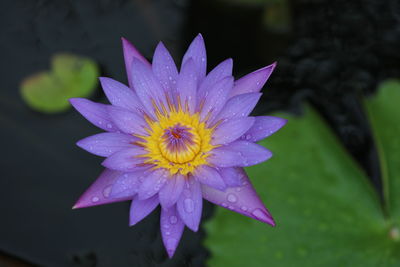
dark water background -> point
(331, 53)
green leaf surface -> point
(70, 76)
(327, 212)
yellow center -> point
(178, 141)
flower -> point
(175, 138)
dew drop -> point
(167, 233)
(244, 208)
(107, 191)
(259, 214)
(166, 226)
(188, 205)
(173, 219)
(109, 125)
(231, 198)
(95, 199)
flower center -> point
(177, 141)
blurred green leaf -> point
(327, 212)
(70, 76)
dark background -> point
(330, 53)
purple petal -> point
(105, 144)
(231, 130)
(164, 69)
(239, 154)
(238, 106)
(141, 208)
(171, 191)
(125, 160)
(231, 176)
(147, 87)
(99, 192)
(127, 185)
(131, 52)
(120, 95)
(215, 100)
(209, 176)
(187, 86)
(171, 229)
(152, 183)
(263, 127)
(197, 51)
(252, 82)
(190, 204)
(96, 113)
(243, 199)
(223, 70)
(127, 121)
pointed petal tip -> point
(263, 216)
(170, 253)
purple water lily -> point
(173, 138)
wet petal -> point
(263, 127)
(231, 176)
(242, 199)
(105, 144)
(231, 130)
(99, 192)
(171, 229)
(223, 70)
(127, 121)
(171, 191)
(96, 113)
(209, 176)
(131, 52)
(164, 69)
(141, 208)
(238, 106)
(197, 51)
(152, 183)
(127, 185)
(147, 87)
(190, 204)
(187, 86)
(239, 154)
(252, 82)
(120, 95)
(215, 100)
(126, 160)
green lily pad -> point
(326, 210)
(70, 76)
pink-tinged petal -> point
(252, 82)
(231, 176)
(171, 191)
(99, 192)
(126, 160)
(263, 127)
(197, 51)
(131, 52)
(187, 86)
(96, 113)
(147, 87)
(171, 229)
(120, 95)
(231, 130)
(141, 208)
(215, 100)
(209, 176)
(223, 70)
(127, 121)
(127, 185)
(238, 106)
(190, 204)
(239, 154)
(152, 183)
(164, 69)
(105, 144)
(242, 199)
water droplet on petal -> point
(107, 191)
(188, 205)
(167, 233)
(95, 199)
(231, 198)
(109, 125)
(173, 219)
(244, 208)
(259, 214)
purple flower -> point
(173, 138)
